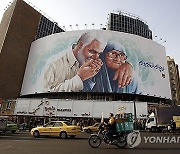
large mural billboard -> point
(97, 61)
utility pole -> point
(135, 116)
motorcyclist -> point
(111, 127)
(173, 125)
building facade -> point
(17, 32)
(174, 80)
(128, 23)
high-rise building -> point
(128, 23)
(20, 26)
(174, 80)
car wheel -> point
(153, 129)
(89, 131)
(36, 134)
(13, 131)
(177, 131)
(63, 135)
(72, 136)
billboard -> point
(77, 108)
(97, 61)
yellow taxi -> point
(61, 129)
(93, 128)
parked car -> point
(93, 128)
(23, 126)
(61, 129)
(12, 127)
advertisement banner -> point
(97, 61)
(80, 108)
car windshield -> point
(49, 124)
(149, 120)
(96, 125)
(10, 122)
(67, 123)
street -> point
(23, 143)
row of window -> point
(125, 24)
(115, 24)
(133, 29)
(127, 19)
(129, 25)
(136, 32)
(47, 27)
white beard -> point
(81, 59)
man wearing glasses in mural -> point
(77, 65)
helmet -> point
(111, 114)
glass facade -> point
(47, 27)
(129, 24)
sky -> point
(162, 16)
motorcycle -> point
(119, 139)
(169, 129)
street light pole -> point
(135, 116)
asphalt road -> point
(23, 143)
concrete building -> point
(20, 26)
(174, 80)
(128, 23)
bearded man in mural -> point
(76, 67)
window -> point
(58, 124)
(50, 124)
(151, 119)
(9, 105)
(96, 125)
(67, 123)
